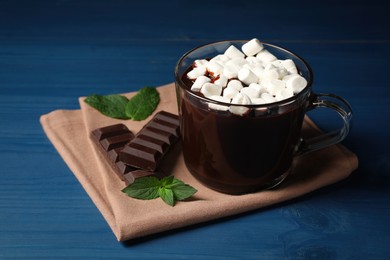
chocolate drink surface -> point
(238, 153)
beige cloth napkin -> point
(129, 218)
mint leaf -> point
(145, 188)
(167, 196)
(139, 107)
(110, 105)
(182, 191)
(169, 189)
(142, 104)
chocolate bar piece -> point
(152, 142)
(110, 141)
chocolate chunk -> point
(114, 142)
(152, 142)
(110, 140)
(110, 131)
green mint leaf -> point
(167, 196)
(169, 189)
(182, 191)
(167, 181)
(142, 104)
(145, 188)
(110, 105)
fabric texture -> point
(129, 218)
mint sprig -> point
(169, 189)
(139, 107)
(110, 105)
(142, 104)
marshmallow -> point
(274, 86)
(210, 89)
(196, 72)
(251, 75)
(241, 99)
(218, 106)
(200, 63)
(295, 82)
(261, 89)
(258, 71)
(284, 94)
(247, 76)
(253, 60)
(289, 65)
(221, 80)
(232, 52)
(265, 56)
(258, 101)
(233, 66)
(220, 57)
(250, 92)
(230, 92)
(235, 84)
(270, 72)
(268, 98)
(252, 47)
(230, 71)
(199, 82)
(214, 68)
(282, 71)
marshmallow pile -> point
(251, 75)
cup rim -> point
(178, 78)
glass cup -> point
(238, 154)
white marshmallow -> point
(255, 86)
(253, 60)
(231, 70)
(261, 89)
(241, 99)
(284, 94)
(268, 98)
(252, 47)
(282, 71)
(219, 106)
(270, 72)
(247, 76)
(232, 52)
(230, 92)
(201, 63)
(250, 92)
(220, 58)
(235, 84)
(258, 101)
(196, 72)
(265, 56)
(249, 66)
(274, 86)
(214, 68)
(233, 66)
(295, 82)
(289, 65)
(221, 81)
(199, 82)
(258, 70)
(210, 89)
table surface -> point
(52, 52)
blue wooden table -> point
(52, 52)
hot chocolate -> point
(236, 153)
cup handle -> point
(343, 109)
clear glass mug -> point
(241, 154)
